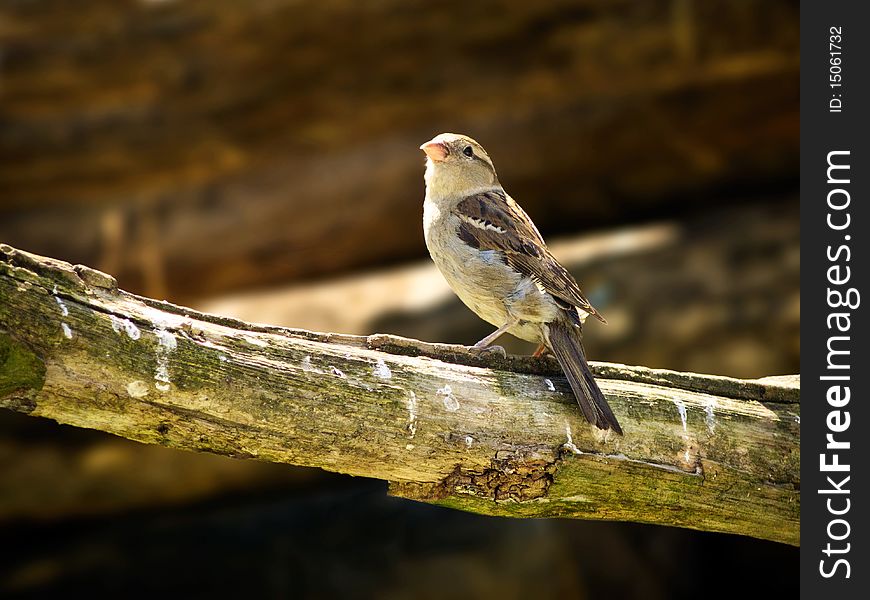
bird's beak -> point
(436, 151)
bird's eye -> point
(467, 151)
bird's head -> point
(456, 164)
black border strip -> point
(835, 224)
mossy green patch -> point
(20, 369)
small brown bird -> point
(493, 257)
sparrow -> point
(495, 260)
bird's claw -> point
(486, 350)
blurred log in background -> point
(228, 154)
(136, 138)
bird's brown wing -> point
(491, 220)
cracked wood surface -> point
(489, 434)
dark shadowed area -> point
(260, 160)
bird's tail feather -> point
(566, 344)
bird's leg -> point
(496, 334)
(484, 344)
(540, 351)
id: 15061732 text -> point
(835, 69)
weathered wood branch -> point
(492, 435)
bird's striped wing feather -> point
(492, 220)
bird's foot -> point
(541, 351)
(487, 350)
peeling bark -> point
(490, 434)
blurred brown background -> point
(260, 159)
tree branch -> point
(489, 434)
